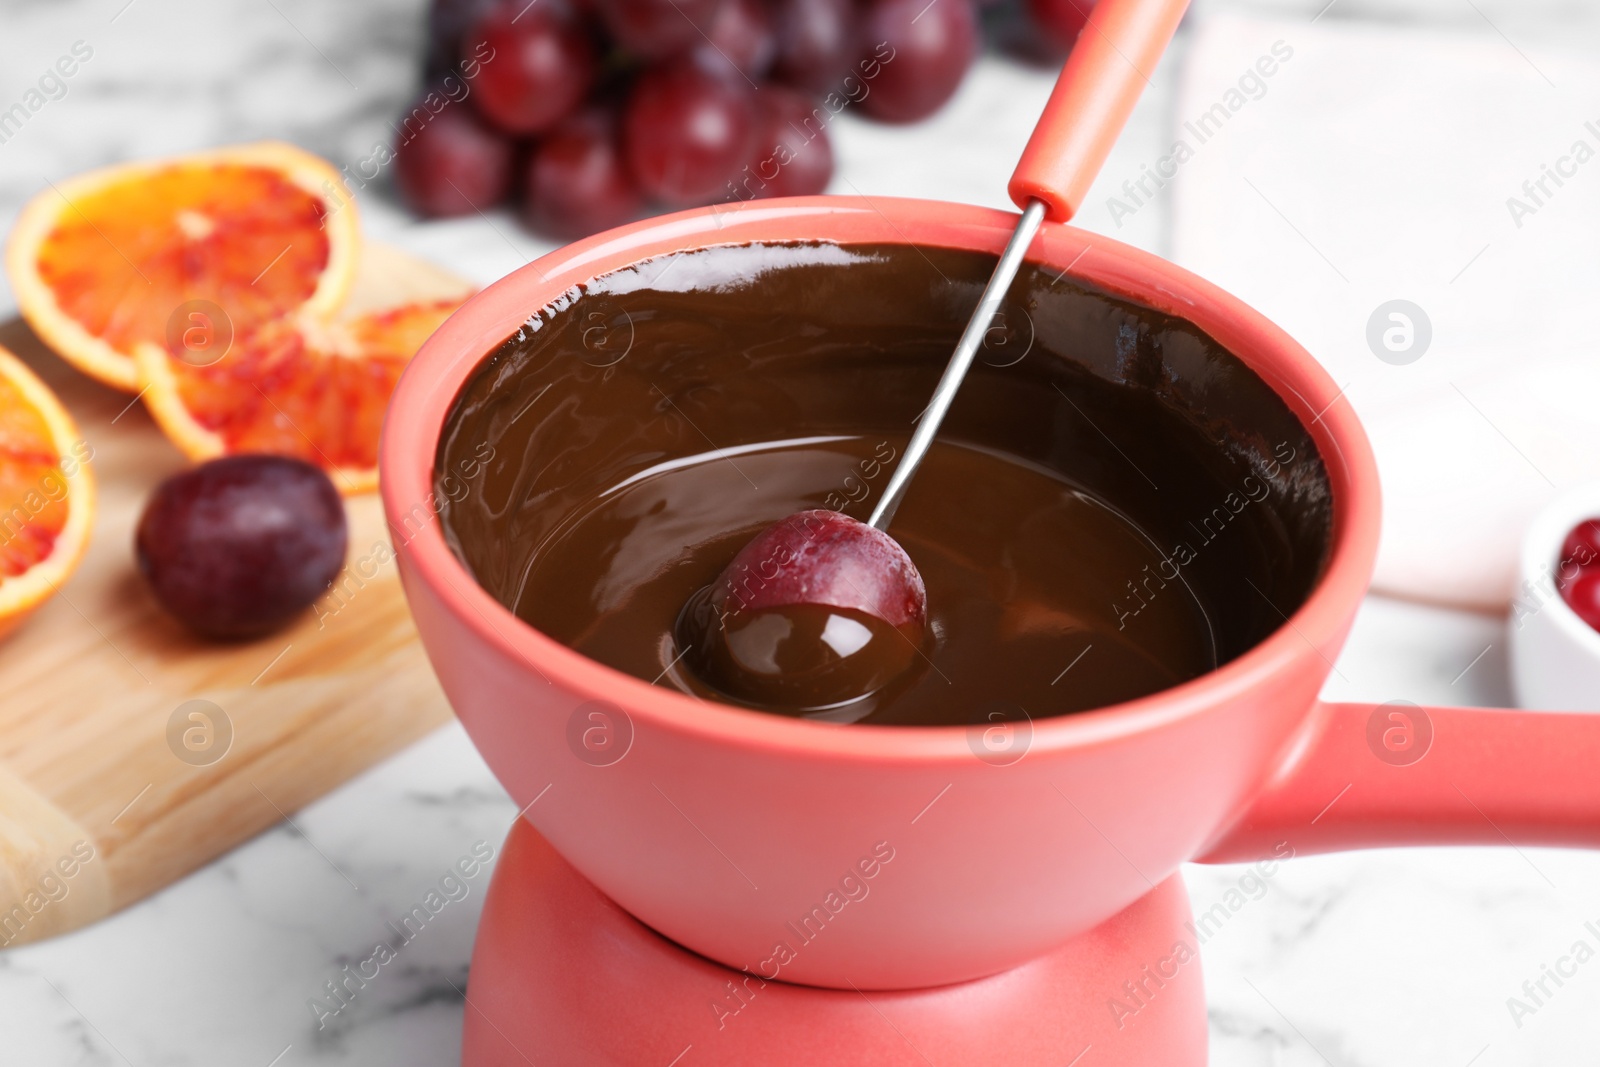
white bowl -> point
(1555, 656)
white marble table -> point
(1381, 958)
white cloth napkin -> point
(1378, 164)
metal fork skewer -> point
(955, 371)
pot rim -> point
(430, 384)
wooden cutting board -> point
(101, 774)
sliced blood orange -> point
(297, 386)
(124, 255)
(46, 492)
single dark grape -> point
(1582, 594)
(239, 546)
(816, 43)
(1060, 21)
(1581, 550)
(576, 182)
(792, 155)
(536, 63)
(923, 51)
(819, 609)
(687, 132)
(739, 43)
(449, 162)
(655, 29)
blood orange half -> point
(298, 386)
(125, 255)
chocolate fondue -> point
(1115, 504)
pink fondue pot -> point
(1007, 862)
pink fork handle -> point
(1485, 777)
(1113, 61)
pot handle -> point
(1109, 67)
(1377, 775)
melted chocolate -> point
(1115, 505)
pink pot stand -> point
(563, 976)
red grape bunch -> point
(1578, 576)
(588, 113)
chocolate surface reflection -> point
(799, 658)
(1120, 509)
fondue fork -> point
(819, 573)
